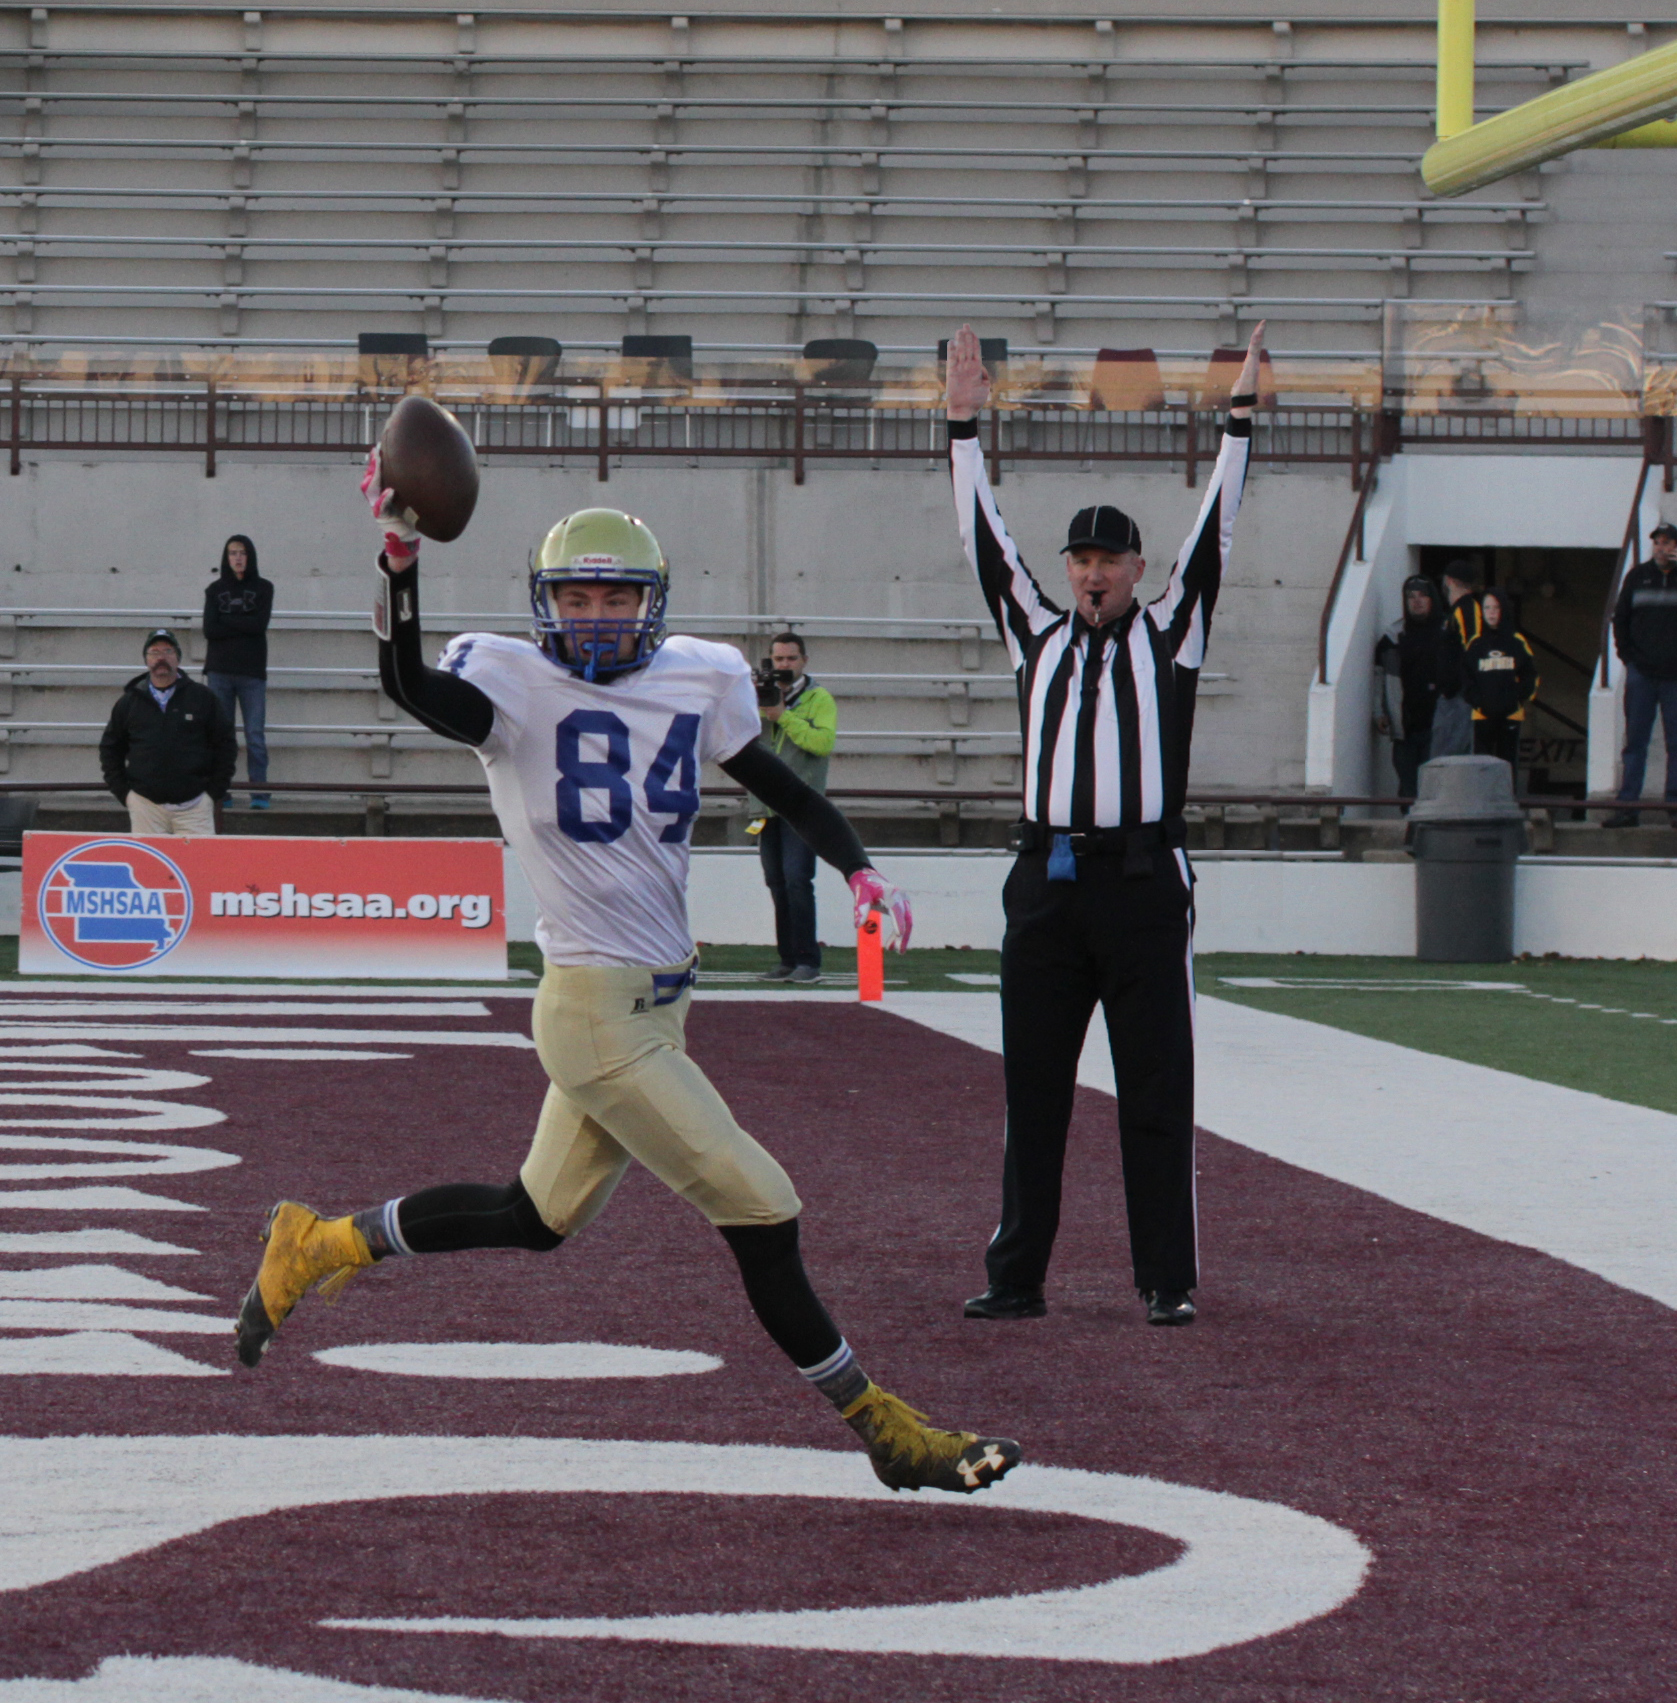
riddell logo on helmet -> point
(595, 560)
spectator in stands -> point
(1499, 678)
(1408, 657)
(1452, 722)
(237, 606)
(1645, 636)
(169, 750)
(800, 727)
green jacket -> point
(804, 736)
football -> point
(429, 462)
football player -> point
(592, 737)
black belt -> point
(1135, 845)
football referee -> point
(1100, 902)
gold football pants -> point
(614, 1043)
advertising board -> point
(109, 904)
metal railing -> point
(788, 422)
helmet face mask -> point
(603, 547)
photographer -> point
(801, 725)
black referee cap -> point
(1103, 528)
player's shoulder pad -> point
(705, 654)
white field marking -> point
(87, 1241)
(254, 1034)
(89, 1283)
(975, 978)
(206, 1679)
(222, 1009)
(66, 1075)
(66, 1049)
(96, 1354)
(1585, 1179)
(94, 1199)
(1250, 1568)
(129, 1113)
(323, 1055)
(1306, 984)
(139, 1158)
(518, 1360)
(100, 988)
(103, 1315)
(1412, 984)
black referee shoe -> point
(1169, 1307)
(1003, 1301)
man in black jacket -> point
(168, 750)
(237, 606)
(1645, 636)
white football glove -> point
(874, 893)
(401, 537)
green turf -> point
(1594, 1024)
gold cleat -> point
(304, 1251)
(909, 1454)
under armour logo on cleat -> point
(975, 1473)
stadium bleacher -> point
(180, 191)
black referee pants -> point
(1122, 942)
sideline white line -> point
(1585, 1179)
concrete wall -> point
(1619, 908)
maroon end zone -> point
(1496, 1427)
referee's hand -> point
(1247, 383)
(966, 384)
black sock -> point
(779, 1291)
(454, 1217)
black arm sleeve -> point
(443, 702)
(816, 821)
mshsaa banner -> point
(257, 906)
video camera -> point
(771, 683)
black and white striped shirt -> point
(1107, 714)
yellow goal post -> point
(1626, 106)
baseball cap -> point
(1664, 530)
(1104, 527)
(160, 635)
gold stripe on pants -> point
(622, 1088)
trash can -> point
(1465, 833)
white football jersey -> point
(596, 786)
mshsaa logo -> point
(115, 905)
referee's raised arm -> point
(1016, 600)
(1182, 612)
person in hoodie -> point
(237, 606)
(1408, 657)
(1499, 678)
(168, 750)
(1645, 636)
